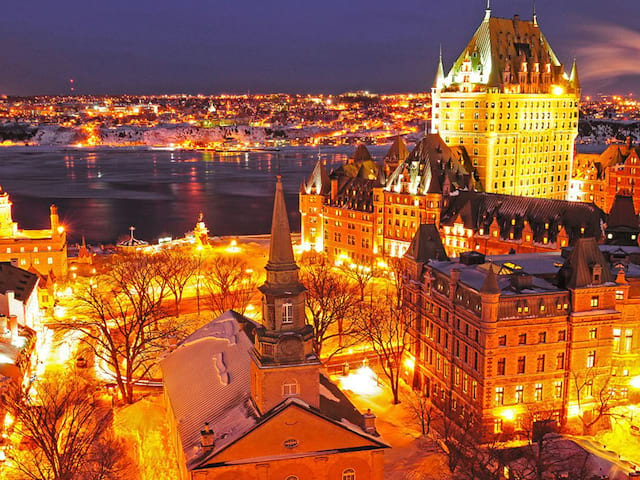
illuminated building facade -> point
(356, 213)
(355, 219)
(495, 224)
(42, 250)
(508, 100)
(599, 178)
(524, 337)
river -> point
(100, 193)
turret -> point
(55, 220)
(574, 79)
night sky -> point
(213, 46)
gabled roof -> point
(546, 217)
(207, 379)
(426, 245)
(623, 214)
(15, 279)
(361, 165)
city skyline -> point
(154, 48)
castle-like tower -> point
(510, 102)
(283, 361)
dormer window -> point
(287, 313)
(597, 274)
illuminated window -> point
(538, 395)
(558, 389)
(499, 395)
(50, 261)
(290, 388)
(349, 474)
(287, 313)
(595, 301)
(35, 249)
(619, 295)
(497, 425)
(519, 393)
(591, 359)
(8, 250)
(628, 339)
(593, 333)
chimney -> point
(629, 142)
(370, 423)
(334, 189)
(207, 439)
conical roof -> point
(318, 182)
(361, 154)
(426, 245)
(280, 248)
(438, 81)
(398, 151)
(576, 271)
(574, 78)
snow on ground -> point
(411, 456)
(143, 426)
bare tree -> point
(594, 395)
(230, 284)
(396, 272)
(422, 411)
(331, 302)
(122, 319)
(385, 327)
(361, 275)
(176, 269)
(69, 436)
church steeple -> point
(281, 267)
(284, 364)
(574, 79)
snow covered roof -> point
(207, 380)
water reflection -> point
(101, 193)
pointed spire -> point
(535, 15)
(487, 11)
(280, 248)
(490, 285)
(438, 81)
(573, 78)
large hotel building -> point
(493, 175)
(510, 102)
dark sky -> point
(211, 46)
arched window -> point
(349, 474)
(290, 388)
(287, 313)
(291, 477)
